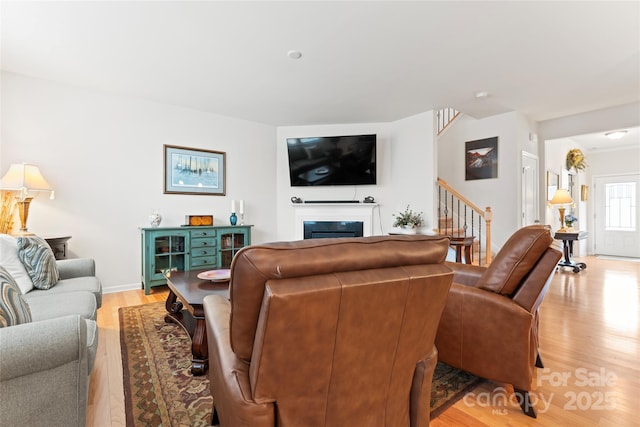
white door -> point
(616, 215)
(530, 213)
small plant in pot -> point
(408, 220)
(569, 220)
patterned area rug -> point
(159, 389)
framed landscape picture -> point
(481, 159)
(193, 171)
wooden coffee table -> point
(184, 307)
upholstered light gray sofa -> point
(45, 363)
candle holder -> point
(242, 219)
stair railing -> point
(464, 219)
(446, 116)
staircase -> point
(461, 220)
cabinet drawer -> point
(203, 251)
(195, 234)
(204, 242)
(205, 261)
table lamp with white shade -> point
(26, 180)
(561, 198)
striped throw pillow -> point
(39, 261)
(13, 308)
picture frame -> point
(481, 159)
(194, 171)
(553, 183)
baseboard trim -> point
(121, 288)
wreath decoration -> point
(575, 160)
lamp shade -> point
(562, 197)
(24, 176)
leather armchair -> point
(322, 332)
(489, 326)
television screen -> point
(332, 160)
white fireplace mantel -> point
(334, 212)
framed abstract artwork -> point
(193, 171)
(481, 159)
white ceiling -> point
(361, 61)
(598, 142)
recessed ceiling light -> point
(482, 94)
(294, 54)
(616, 135)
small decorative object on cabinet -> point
(155, 219)
(166, 249)
(199, 220)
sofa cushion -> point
(9, 260)
(515, 259)
(13, 308)
(63, 304)
(38, 259)
(75, 284)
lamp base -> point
(23, 211)
(561, 211)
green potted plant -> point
(409, 220)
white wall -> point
(555, 160)
(405, 175)
(103, 155)
(414, 166)
(617, 162)
(619, 117)
(556, 152)
(502, 194)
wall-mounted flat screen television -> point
(332, 160)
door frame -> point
(535, 187)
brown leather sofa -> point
(489, 326)
(328, 332)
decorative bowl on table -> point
(220, 275)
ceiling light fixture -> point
(482, 94)
(294, 54)
(616, 135)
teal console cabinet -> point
(166, 249)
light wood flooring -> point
(589, 333)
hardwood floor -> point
(589, 333)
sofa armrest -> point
(76, 267)
(228, 374)
(479, 326)
(39, 346)
(41, 362)
(419, 406)
(466, 274)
